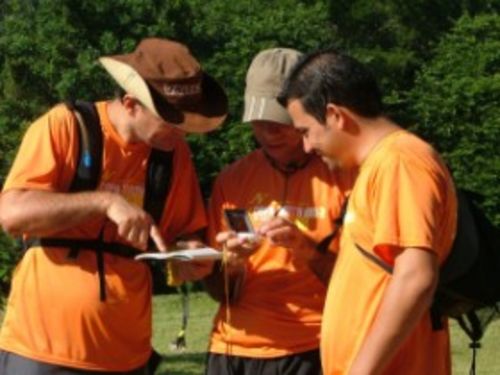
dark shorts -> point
(307, 363)
(13, 364)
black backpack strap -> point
(88, 172)
(114, 248)
(99, 257)
(471, 324)
(97, 245)
(157, 187)
(375, 259)
(87, 177)
(158, 182)
(323, 245)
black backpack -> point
(469, 280)
(87, 177)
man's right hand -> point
(134, 224)
(43, 213)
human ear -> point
(333, 116)
(130, 103)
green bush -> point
(456, 100)
(9, 254)
(48, 53)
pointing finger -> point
(155, 234)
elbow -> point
(421, 285)
(10, 220)
(417, 271)
(425, 287)
(9, 223)
(428, 291)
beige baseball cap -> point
(165, 77)
(265, 78)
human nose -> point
(307, 145)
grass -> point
(488, 359)
(167, 322)
(167, 318)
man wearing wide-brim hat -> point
(67, 313)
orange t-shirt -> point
(279, 310)
(403, 197)
(54, 314)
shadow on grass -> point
(182, 364)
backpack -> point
(469, 282)
(87, 177)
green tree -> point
(396, 37)
(49, 48)
(9, 254)
(456, 100)
(226, 35)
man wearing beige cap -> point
(68, 313)
(271, 288)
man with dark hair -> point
(271, 289)
(68, 314)
(398, 228)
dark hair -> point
(329, 76)
(119, 92)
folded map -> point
(186, 255)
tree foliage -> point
(49, 48)
(226, 45)
(397, 37)
(9, 254)
(457, 102)
(49, 51)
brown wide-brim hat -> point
(167, 79)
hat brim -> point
(205, 115)
(263, 108)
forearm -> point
(40, 212)
(408, 296)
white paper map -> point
(204, 253)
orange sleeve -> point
(47, 148)
(407, 205)
(185, 210)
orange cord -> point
(227, 301)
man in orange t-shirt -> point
(269, 323)
(398, 227)
(55, 322)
